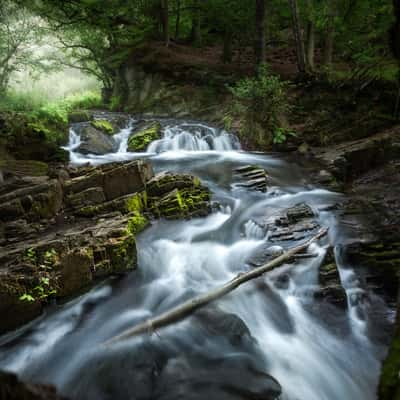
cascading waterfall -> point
(194, 137)
(315, 350)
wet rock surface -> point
(95, 141)
(251, 177)
(11, 388)
(58, 236)
(143, 135)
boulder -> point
(175, 196)
(12, 388)
(251, 177)
(143, 136)
(75, 117)
(94, 141)
(103, 125)
(331, 289)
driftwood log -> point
(187, 308)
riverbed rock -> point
(94, 141)
(251, 177)
(175, 196)
(35, 198)
(331, 289)
(12, 388)
(59, 236)
(142, 136)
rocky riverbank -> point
(60, 233)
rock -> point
(251, 177)
(75, 117)
(299, 212)
(143, 136)
(178, 196)
(331, 289)
(103, 125)
(87, 231)
(120, 180)
(94, 141)
(12, 388)
(38, 198)
(116, 180)
(89, 197)
(349, 160)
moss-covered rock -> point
(140, 139)
(79, 116)
(103, 125)
(178, 196)
(27, 137)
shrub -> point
(260, 102)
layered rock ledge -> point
(62, 232)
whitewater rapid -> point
(313, 349)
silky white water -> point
(315, 350)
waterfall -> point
(315, 350)
(194, 137)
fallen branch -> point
(181, 311)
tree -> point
(310, 36)
(330, 33)
(301, 59)
(20, 36)
(260, 32)
(164, 10)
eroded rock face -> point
(58, 236)
(11, 388)
(252, 177)
(331, 289)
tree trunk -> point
(395, 47)
(259, 48)
(310, 45)
(178, 18)
(165, 21)
(195, 35)
(301, 59)
(189, 307)
(329, 35)
(227, 50)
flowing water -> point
(269, 327)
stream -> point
(267, 331)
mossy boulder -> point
(79, 116)
(178, 196)
(103, 125)
(143, 136)
(95, 141)
(27, 137)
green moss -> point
(88, 211)
(137, 202)
(79, 116)
(182, 203)
(103, 125)
(122, 253)
(140, 140)
(137, 223)
(389, 386)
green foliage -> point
(281, 135)
(261, 100)
(47, 284)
